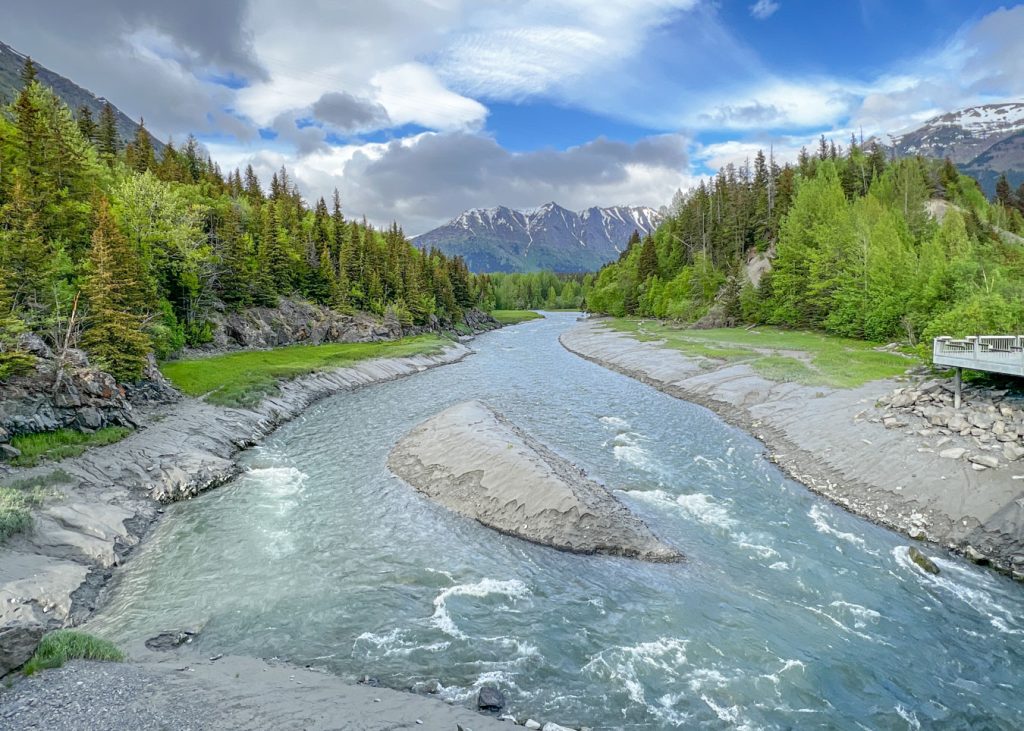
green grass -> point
(18, 497)
(511, 317)
(799, 356)
(66, 644)
(246, 377)
(62, 443)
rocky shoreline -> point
(855, 450)
(107, 499)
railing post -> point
(957, 379)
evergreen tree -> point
(648, 264)
(13, 360)
(139, 155)
(1004, 194)
(87, 124)
(114, 336)
(109, 141)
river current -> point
(788, 613)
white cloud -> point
(412, 93)
(763, 9)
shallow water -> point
(788, 613)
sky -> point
(416, 110)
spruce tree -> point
(109, 141)
(140, 154)
(86, 124)
(13, 360)
(114, 336)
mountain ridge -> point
(504, 239)
(12, 62)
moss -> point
(65, 644)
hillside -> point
(550, 237)
(11, 64)
(984, 141)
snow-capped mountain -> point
(984, 141)
(550, 237)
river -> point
(788, 613)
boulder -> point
(957, 423)
(973, 554)
(985, 460)
(555, 727)
(1012, 452)
(170, 640)
(531, 724)
(18, 643)
(923, 561)
(474, 462)
(953, 453)
(490, 699)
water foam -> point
(511, 588)
(817, 515)
(697, 506)
(278, 480)
(976, 598)
(615, 422)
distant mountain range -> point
(984, 141)
(550, 237)
(11, 64)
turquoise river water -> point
(788, 613)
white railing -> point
(993, 353)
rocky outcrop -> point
(103, 502)
(297, 321)
(475, 463)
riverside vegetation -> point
(105, 246)
(858, 246)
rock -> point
(531, 724)
(555, 727)
(431, 687)
(985, 460)
(973, 554)
(957, 423)
(923, 561)
(490, 699)
(917, 534)
(1012, 452)
(473, 461)
(18, 643)
(9, 452)
(508, 717)
(953, 453)
(170, 640)
(370, 681)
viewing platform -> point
(991, 353)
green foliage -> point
(513, 316)
(18, 497)
(157, 245)
(61, 645)
(854, 248)
(539, 290)
(63, 443)
(244, 378)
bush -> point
(65, 644)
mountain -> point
(11, 65)
(984, 141)
(550, 237)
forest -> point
(107, 246)
(542, 290)
(859, 245)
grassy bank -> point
(511, 317)
(18, 497)
(810, 358)
(245, 377)
(64, 644)
(62, 443)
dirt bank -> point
(826, 439)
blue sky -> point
(418, 109)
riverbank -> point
(823, 437)
(227, 693)
(102, 503)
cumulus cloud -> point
(764, 9)
(424, 180)
(348, 113)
